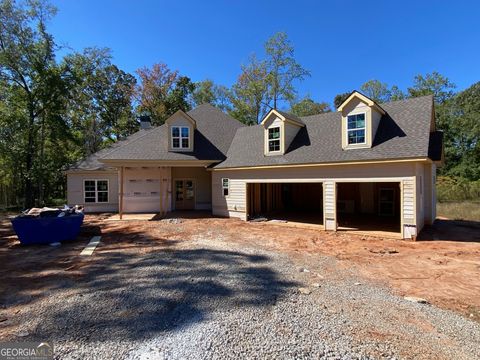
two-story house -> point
(366, 166)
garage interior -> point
(286, 202)
(368, 206)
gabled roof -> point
(404, 132)
(284, 116)
(363, 98)
(212, 137)
(92, 162)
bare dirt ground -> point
(443, 266)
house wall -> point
(234, 205)
(146, 189)
(180, 119)
(288, 132)
(430, 193)
(75, 190)
(203, 184)
(372, 121)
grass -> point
(461, 210)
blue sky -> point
(343, 43)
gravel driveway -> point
(207, 299)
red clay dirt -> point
(443, 266)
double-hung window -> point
(356, 129)
(274, 139)
(225, 186)
(180, 137)
(95, 191)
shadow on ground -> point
(452, 230)
(124, 293)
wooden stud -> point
(120, 205)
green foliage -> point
(282, 69)
(376, 90)
(432, 84)
(307, 106)
(250, 94)
(162, 92)
(457, 189)
(340, 98)
(207, 92)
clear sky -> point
(343, 43)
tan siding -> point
(75, 190)
(235, 203)
(330, 205)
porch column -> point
(330, 205)
(120, 200)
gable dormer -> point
(279, 130)
(360, 119)
(181, 128)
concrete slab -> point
(91, 246)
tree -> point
(282, 69)
(340, 98)
(376, 90)
(100, 106)
(432, 84)
(396, 94)
(207, 92)
(463, 138)
(162, 92)
(307, 106)
(250, 94)
(28, 68)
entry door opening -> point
(371, 206)
(292, 202)
(184, 194)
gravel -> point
(209, 300)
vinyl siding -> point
(235, 205)
(75, 190)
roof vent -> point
(145, 122)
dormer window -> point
(360, 120)
(356, 129)
(180, 137)
(274, 139)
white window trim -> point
(180, 137)
(227, 187)
(96, 191)
(279, 140)
(364, 129)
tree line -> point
(55, 111)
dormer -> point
(181, 128)
(279, 130)
(360, 119)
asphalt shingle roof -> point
(404, 132)
(212, 138)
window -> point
(225, 186)
(95, 191)
(274, 139)
(356, 129)
(180, 137)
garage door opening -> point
(286, 202)
(370, 206)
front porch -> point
(149, 191)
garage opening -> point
(370, 206)
(286, 202)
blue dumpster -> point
(45, 230)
